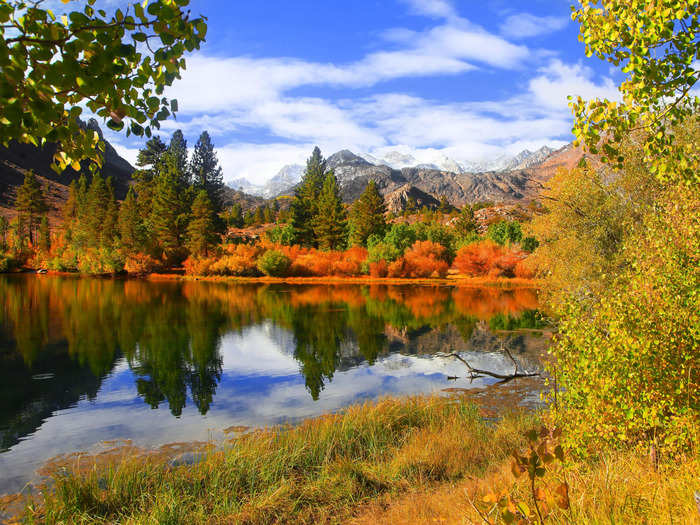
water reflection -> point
(72, 349)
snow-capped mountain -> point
(281, 183)
(398, 160)
(527, 158)
(242, 184)
(349, 166)
(286, 178)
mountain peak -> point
(345, 157)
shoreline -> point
(474, 282)
(455, 281)
(417, 459)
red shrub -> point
(487, 258)
(425, 259)
(312, 262)
(397, 268)
(378, 269)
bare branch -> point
(476, 372)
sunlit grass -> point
(619, 487)
(319, 471)
(411, 460)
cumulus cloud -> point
(557, 80)
(524, 25)
(260, 121)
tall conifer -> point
(165, 213)
(206, 172)
(330, 220)
(367, 215)
(30, 205)
(200, 232)
(130, 224)
(304, 206)
(177, 152)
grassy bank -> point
(395, 461)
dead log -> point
(475, 373)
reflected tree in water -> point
(170, 333)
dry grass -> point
(619, 488)
(321, 471)
(414, 460)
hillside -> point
(16, 160)
(520, 178)
(509, 187)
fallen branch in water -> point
(475, 373)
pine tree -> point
(4, 229)
(304, 206)
(30, 205)
(200, 232)
(97, 202)
(258, 216)
(268, 215)
(165, 212)
(330, 220)
(109, 227)
(466, 223)
(177, 153)
(235, 216)
(445, 206)
(206, 171)
(367, 215)
(129, 224)
(150, 155)
(44, 235)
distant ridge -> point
(513, 179)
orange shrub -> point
(351, 261)
(525, 269)
(487, 258)
(378, 269)
(142, 263)
(397, 268)
(318, 263)
(426, 259)
(197, 266)
(238, 259)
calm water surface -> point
(83, 360)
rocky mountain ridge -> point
(426, 185)
(348, 165)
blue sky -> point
(469, 80)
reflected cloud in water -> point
(87, 360)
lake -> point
(87, 360)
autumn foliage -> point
(486, 258)
(423, 260)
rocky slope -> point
(17, 159)
(509, 187)
(519, 179)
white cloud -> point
(558, 80)
(524, 25)
(259, 162)
(423, 128)
(254, 97)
